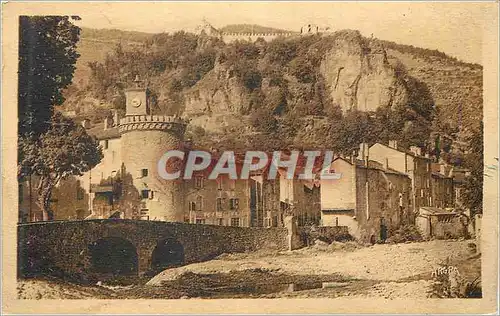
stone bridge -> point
(120, 246)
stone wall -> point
(450, 227)
(207, 195)
(327, 234)
(252, 37)
(65, 246)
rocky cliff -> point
(296, 76)
(359, 75)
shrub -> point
(303, 70)
(264, 121)
(405, 233)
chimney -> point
(393, 144)
(107, 123)
(116, 119)
(86, 123)
(363, 153)
(353, 157)
(416, 150)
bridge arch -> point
(113, 255)
(168, 252)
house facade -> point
(369, 200)
(412, 163)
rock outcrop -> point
(359, 76)
(216, 101)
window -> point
(144, 215)
(275, 221)
(79, 193)
(145, 194)
(198, 182)
(151, 194)
(220, 185)
(235, 221)
(144, 172)
(200, 221)
(192, 206)
(219, 204)
(234, 203)
(106, 144)
(80, 214)
(199, 203)
(220, 221)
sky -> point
(451, 27)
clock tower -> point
(137, 100)
(145, 138)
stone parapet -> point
(152, 122)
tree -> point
(47, 57)
(473, 196)
(354, 128)
(65, 149)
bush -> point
(405, 233)
(302, 69)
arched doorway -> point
(113, 255)
(168, 253)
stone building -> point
(221, 201)
(127, 180)
(368, 198)
(411, 163)
(206, 29)
(433, 222)
(70, 201)
(459, 176)
(300, 198)
(442, 192)
(309, 29)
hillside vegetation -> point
(303, 92)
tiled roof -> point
(436, 211)
(97, 188)
(440, 175)
(405, 152)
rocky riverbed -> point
(335, 270)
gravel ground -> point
(379, 262)
(382, 271)
(55, 289)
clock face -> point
(136, 102)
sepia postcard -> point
(249, 157)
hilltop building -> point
(206, 29)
